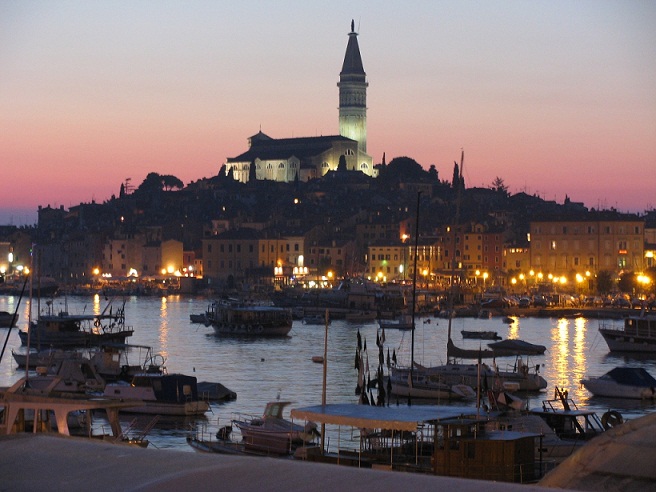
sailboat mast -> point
(414, 292)
(459, 185)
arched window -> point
(269, 165)
(281, 166)
(364, 165)
(325, 165)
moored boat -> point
(480, 335)
(161, 394)
(76, 330)
(7, 319)
(274, 434)
(623, 382)
(236, 319)
(638, 334)
(402, 322)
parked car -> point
(495, 303)
(539, 301)
(524, 302)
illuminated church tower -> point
(353, 94)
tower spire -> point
(353, 94)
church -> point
(305, 158)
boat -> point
(160, 393)
(402, 322)
(316, 319)
(43, 358)
(480, 335)
(637, 334)
(515, 346)
(74, 374)
(237, 319)
(7, 319)
(445, 440)
(623, 382)
(76, 330)
(570, 422)
(200, 318)
(271, 433)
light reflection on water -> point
(261, 369)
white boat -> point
(274, 434)
(257, 321)
(623, 382)
(402, 322)
(161, 394)
(638, 334)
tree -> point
(499, 186)
(432, 173)
(605, 282)
(170, 182)
(342, 163)
(627, 282)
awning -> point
(400, 418)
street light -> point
(485, 275)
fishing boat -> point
(229, 318)
(271, 433)
(76, 330)
(623, 382)
(160, 394)
(637, 334)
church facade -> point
(305, 158)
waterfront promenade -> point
(55, 464)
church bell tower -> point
(353, 94)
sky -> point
(557, 98)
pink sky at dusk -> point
(556, 97)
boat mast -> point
(414, 295)
(454, 235)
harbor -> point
(260, 370)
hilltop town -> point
(219, 233)
(308, 211)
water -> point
(261, 370)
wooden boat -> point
(272, 433)
(77, 330)
(480, 335)
(623, 382)
(255, 321)
(443, 440)
(161, 394)
(638, 334)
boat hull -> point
(250, 330)
(76, 339)
(620, 341)
(613, 390)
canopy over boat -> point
(401, 418)
(504, 348)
